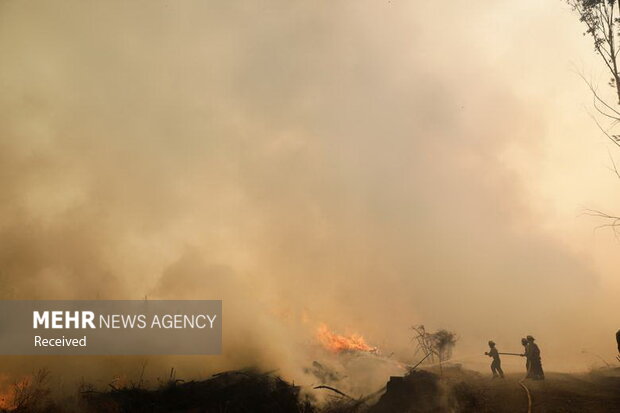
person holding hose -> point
(532, 352)
(496, 364)
(527, 360)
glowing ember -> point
(337, 343)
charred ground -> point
(451, 389)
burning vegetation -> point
(338, 343)
(28, 394)
(431, 389)
(331, 384)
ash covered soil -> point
(452, 389)
(597, 391)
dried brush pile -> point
(231, 392)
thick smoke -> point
(304, 162)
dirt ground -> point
(450, 390)
(594, 392)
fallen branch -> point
(334, 390)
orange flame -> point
(337, 343)
(8, 391)
(7, 400)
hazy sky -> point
(366, 164)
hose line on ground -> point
(529, 396)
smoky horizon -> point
(333, 172)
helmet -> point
(530, 338)
(491, 343)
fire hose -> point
(529, 396)
(527, 391)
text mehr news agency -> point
(88, 320)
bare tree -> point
(438, 344)
(602, 21)
(601, 18)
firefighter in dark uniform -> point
(532, 352)
(527, 361)
(496, 364)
